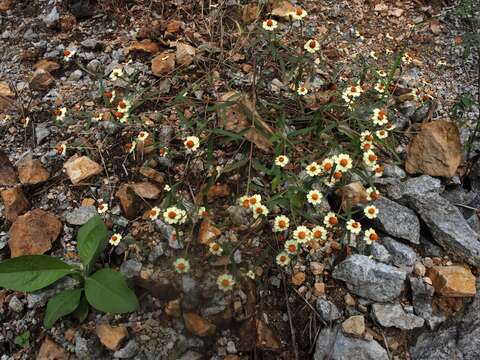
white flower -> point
(283, 259)
(250, 274)
(313, 169)
(269, 25)
(181, 265)
(358, 35)
(379, 117)
(366, 136)
(314, 197)
(60, 113)
(102, 208)
(68, 54)
(281, 160)
(312, 46)
(174, 215)
(381, 134)
(366, 146)
(154, 213)
(330, 220)
(378, 170)
(215, 248)
(370, 236)
(97, 117)
(373, 55)
(390, 126)
(302, 90)
(281, 223)
(225, 282)
(244, 201)
(319, 233)
(302, 234)
(124, 105)
(370, 211)
(298, 14)
(258, 210)
(370, 158)
(372, 194)
(115, 239)
(344, 162)
(143, 135)
(167, 188)
(381, 73)
(327, 164)
(380, 87)
(291, 247)
(24, 121)
(406, 58)
(191, 144)
(116, 74)
(388, 51)
(130, 147)
(61, 149)
(353, 226)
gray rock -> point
(332, 344)
(128, 351)
(52, 18)
(80, 215)
(327, 310)
(130, 268)
(87, 349)
(403, 256)
(474, 223)
(422, 295)
(393, 315)
(91, 44)
(414, 187)
(448, 227)
(15, 304)
(238, 215)
(430, 248)
(401, 118)
(41, 133)
(437, 345)
(397, 220)
(191, 355)
(469, 329)
(394, 171)
(191, 293)
(94, 66)
(155, 253)
(458, 196)
(76, 75)
(370, 279)
(380, 253)
(168, 231)
(29, 35)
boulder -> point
(80, 168)
(328, 311)
(15, 203)
(32, 172)
(393, 315)
(402, 255)
(8, 177)
(452, 281)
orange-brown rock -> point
(146, 46)
(436, 150)
(146, 190)
(8, 177)
(111, 336)
(298, 278)
(452, 281)
(198, 325)
(81, 168)
(6, 96)
(41, 80)
(68, 22)
(129, 202)
(185, 54)
(50, 350)
(172, 308)
(5, 5)
(33, 233)
(352, 195)
(174, 26)
(152, 174)
(218, 191)
(207, 232)
(266, 339)
(47, 65)
(163, 64)
(15, 203)
(31, 172)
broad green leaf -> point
(23, 339)
(60, 305)
(81, 312)
(107, 291)
(32, 272)
(92, 240)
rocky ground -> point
(410, 295)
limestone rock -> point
(15, 203)
(146, 190)
(393, 315)
(452, 281)
(31, 172)
(81, 168)
(50, 350)
(152, 174)
(111, 336)
(198, 325)
(163, 64)
(354, 325)
(402, 255)
(185, 54)
(146, 46)
(8, 176)
(129, 201)
(328, 311)
(41, 80)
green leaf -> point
(107, 291)
(32, 272)
(92, 239)
(81, 312)
(60, 305)
(23, 340)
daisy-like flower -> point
(314, 197)
(373, 55)
(406, 58)
(355, 90)
(255, 199)
(354, 226)
(378, 170)
(98, 116)
(102, 208)
(281, 160)
(250, 274)
(115, 239)
(259, 210)
(328, 164)
(215, 248)
(269, 25)
(319, 233)
(366, 136)
(370, 211)
(143, 135)
(191, 144)
(202, 211)
(124, 105)
(291, 247)
(390, 126)
(381, 73)
(68, 54)
(370, 236)
(116, 74)
(130, 147)
(244, 201)
(366, 146)
(330, 220)
(379, 117)
(302, 234)
(167, 188)
(298, 14)
(313, 169)
(281, 223)
(388, 51)
(372, 194)
(359, 35)
(344, 162)
(61, 149)
(181, 265)
(110, 95)
(121, 116)
(380, 87)
(381, 134)
(312, 46)
(370, 158)
(302, 90)
(154, 213)
(60, 113)
(225, 282)
(174, 215)
(24, 121)
(282, 259)
(163, 151)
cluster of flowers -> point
(331, 168)
(254, 203)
